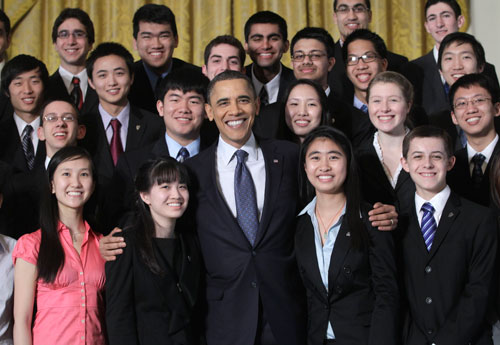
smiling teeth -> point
(234, 123)
(325, 177)
(472, 119)
(174, 204)
(74, 193)
(427, 174)
(60, 134)
(302, 122)
(385, 118)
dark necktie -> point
(264, 98)
(76, 93)
(246, 201)
(116, 141)
(182, 155)
(364, 108)
(29, 151)
(477, 170)
(157, 88)
(446, 88)
(428, 224)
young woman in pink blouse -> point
(59, 266)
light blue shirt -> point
(358, 104)
(174, 147)
(153, 77)
(123, 117)
(324, 252)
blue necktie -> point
(246, 202)
(364, 108)
(182, 155)
(446, 88)
(428, 224)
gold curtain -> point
(400, 23)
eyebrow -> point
(220, 57)
(274, 34)
(332, 151)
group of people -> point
(353, 199)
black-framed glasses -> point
(352, 60)
(344, 9)
(299, 57)
(64, 34)
(55, 118)
(476, 101)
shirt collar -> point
(309, 209)
(123, 116)
(61, 227)
(174, 147)
(47, 161)
(20, 124)
(357, 103)
(272, 87)
(438, 201)
(327, 91)
(67, 77)
(226, 151)
(487, 152)
(153, 77)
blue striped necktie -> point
(428, 225)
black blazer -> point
(145, 308)
(362, 298)
(448, 288)
(57, 89)
(241, 277)
(141, 94)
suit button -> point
(430, 331)
(254, 284)
(428, 269)
(254, 253)
(338, 289)
(189, 258)
(428, 300)
(326, 306)
(347, 270)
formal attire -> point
(276, 89)
(147, 308)
(6, 290)
(254, 294)
(447, 285)
(70, 310)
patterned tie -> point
(29, 151)
(364, 108)
(116, 141)
(76, 93)
(182, 155)
(264, 98)
(477, 170)
(428, 224)
(246, 202)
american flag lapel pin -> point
(275, 161)
(348, 234)
(137, 127)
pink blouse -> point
(71, 309)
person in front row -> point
(354, 299)
(448, 250)
(59, 267)
(153, 288)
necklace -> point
(325, 231)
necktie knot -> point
(28, 129)
(75, 81)
(183, 154)
(364, 108)
(241, 155)
(115, 124)
(478, 159)
(264, 97)
(427, 207)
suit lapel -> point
(450, 213)
(136, 128)
(415, 230)
(340, 249)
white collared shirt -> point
(392, 179)
(123, 117)
(438, 201)
(67, 77)
(20, 124)
(272, 87)
(6, 289)
(487, 152)
(174, 147)
(435, 53)
(226, 165)
(2, 64)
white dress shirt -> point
(67, 77)
(20, 124)
(438, 201)
(272, 87)
(123, 117)
(487, 152)
(6, 289)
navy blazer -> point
(241, 277)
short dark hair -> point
(452, 3)
(20, 64)
(154, 13)
(228, 75)
(428, 131)
(59, 99)
(225, 39)
(366, 35)
(462, 38)
(266, 17)
(475, 79)
(186, 79)
(106, 49)
(367, 3)
(6, 22)
(318, 34)
(78, 14)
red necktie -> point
(76, 93)
(116, 142)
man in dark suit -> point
(73, 37)
(448, 250)
(442, 17)
(350, 15)
(155, 38)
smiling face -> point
(183, 114)
(111, 80)
(303, 110)
(388, 108)
(265, 44)
(26, 94)
(315, 69)
(457, 61)
(427, 163)
(326, 166)
(222, 57)
(72, 184)
(72, 51)
(233, 106)
(350, 20)
(440, 20)
(155, 44)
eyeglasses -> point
(344, 9)
(299, 57)
(464, 103)
(352, 60)
(55, 118)
(77, 34)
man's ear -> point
(91, 83)
(81, 131)
(451, 163)
(209, 111)
(404, 164)
(40, 133)
(159, 107)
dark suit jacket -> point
(362, 298)
(460, 179)
(6, 109)
(241, 277)
(141, 94)
(146, 308)
(448, 287)
(285, 79)
(57, 89)
(340, 83)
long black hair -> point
(159, 171)
(352, 193)
(51, 254)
